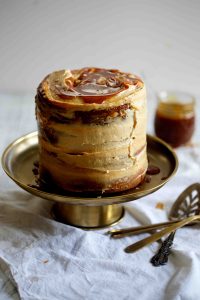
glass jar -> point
(175, 117)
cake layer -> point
(118, 158)
(73, 178)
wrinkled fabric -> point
(41, 258)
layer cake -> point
(92, 130)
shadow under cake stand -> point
(83, 210)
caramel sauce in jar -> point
(175, 117)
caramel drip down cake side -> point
(92, 130)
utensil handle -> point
(161, 257)
(156, 236)
(118, 233)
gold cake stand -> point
(79, 209)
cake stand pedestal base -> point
(88, 217)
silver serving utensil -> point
(187, 204)
(158, 235)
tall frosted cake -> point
(92, 130)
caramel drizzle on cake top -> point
(93, 85)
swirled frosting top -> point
(92, 85)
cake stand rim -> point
(76, 199)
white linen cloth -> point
(43, 259)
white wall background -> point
(159, 40)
